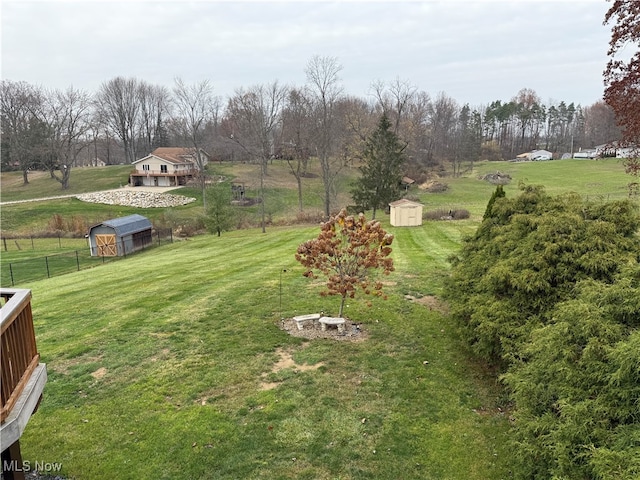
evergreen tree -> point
(382, 171)
(550, 288)
(219, 211)
(499, 193)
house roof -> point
(403, 202)
(127, 225)
(174, 155)
(533, 152)
(408, 181)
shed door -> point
(106, 245)
(411, 217)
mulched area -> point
(353, 332)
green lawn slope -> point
(157, 366)
(169, 363)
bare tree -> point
(118, 101)
(67, 115)
(600, 125)
(442, 116)
(294, 147)
(395, 98)
(253, 117)
(357, 119)
(154, 110)
(530, 116)
(325, 90)
(194, 108)
(20, 102)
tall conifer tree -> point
(382, 170)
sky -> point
(474, 51)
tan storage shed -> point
(405, 213)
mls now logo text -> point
(27, 466)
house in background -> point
(405, 213)
(120, 236)
(166, 167)
(535, 155)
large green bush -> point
(549, 288)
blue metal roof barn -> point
(120, 236)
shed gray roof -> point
(128, 225)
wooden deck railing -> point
(144, 173)
(19, 355)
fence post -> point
(32, 246)
(11, 272)
(4, 240)
(77, 260)
(46, 260)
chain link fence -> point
(18, 272)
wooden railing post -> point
(22, 376)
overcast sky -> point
(474, 51)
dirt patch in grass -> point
(63, 366)
(99, 373)
(353, 332)
(286, 361)
(430, 301)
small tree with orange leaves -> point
(347, 251)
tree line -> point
(127, 118)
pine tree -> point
(219, 216)
(382, 172)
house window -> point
(163, 169)
(145, 168)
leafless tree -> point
(67, 114)
(600, 125)
(20, 102)
(254, 116)
(194, 106)
(154, 111)
(395, 98)
(358, 119)
(325, 91)
(118, 101)
(442, 115)
(295, 137)
(530, 117)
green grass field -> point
(162, 377)
(88, 179)
(159, 364)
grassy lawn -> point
(82, 180)
(168, 364)
(163, 378)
